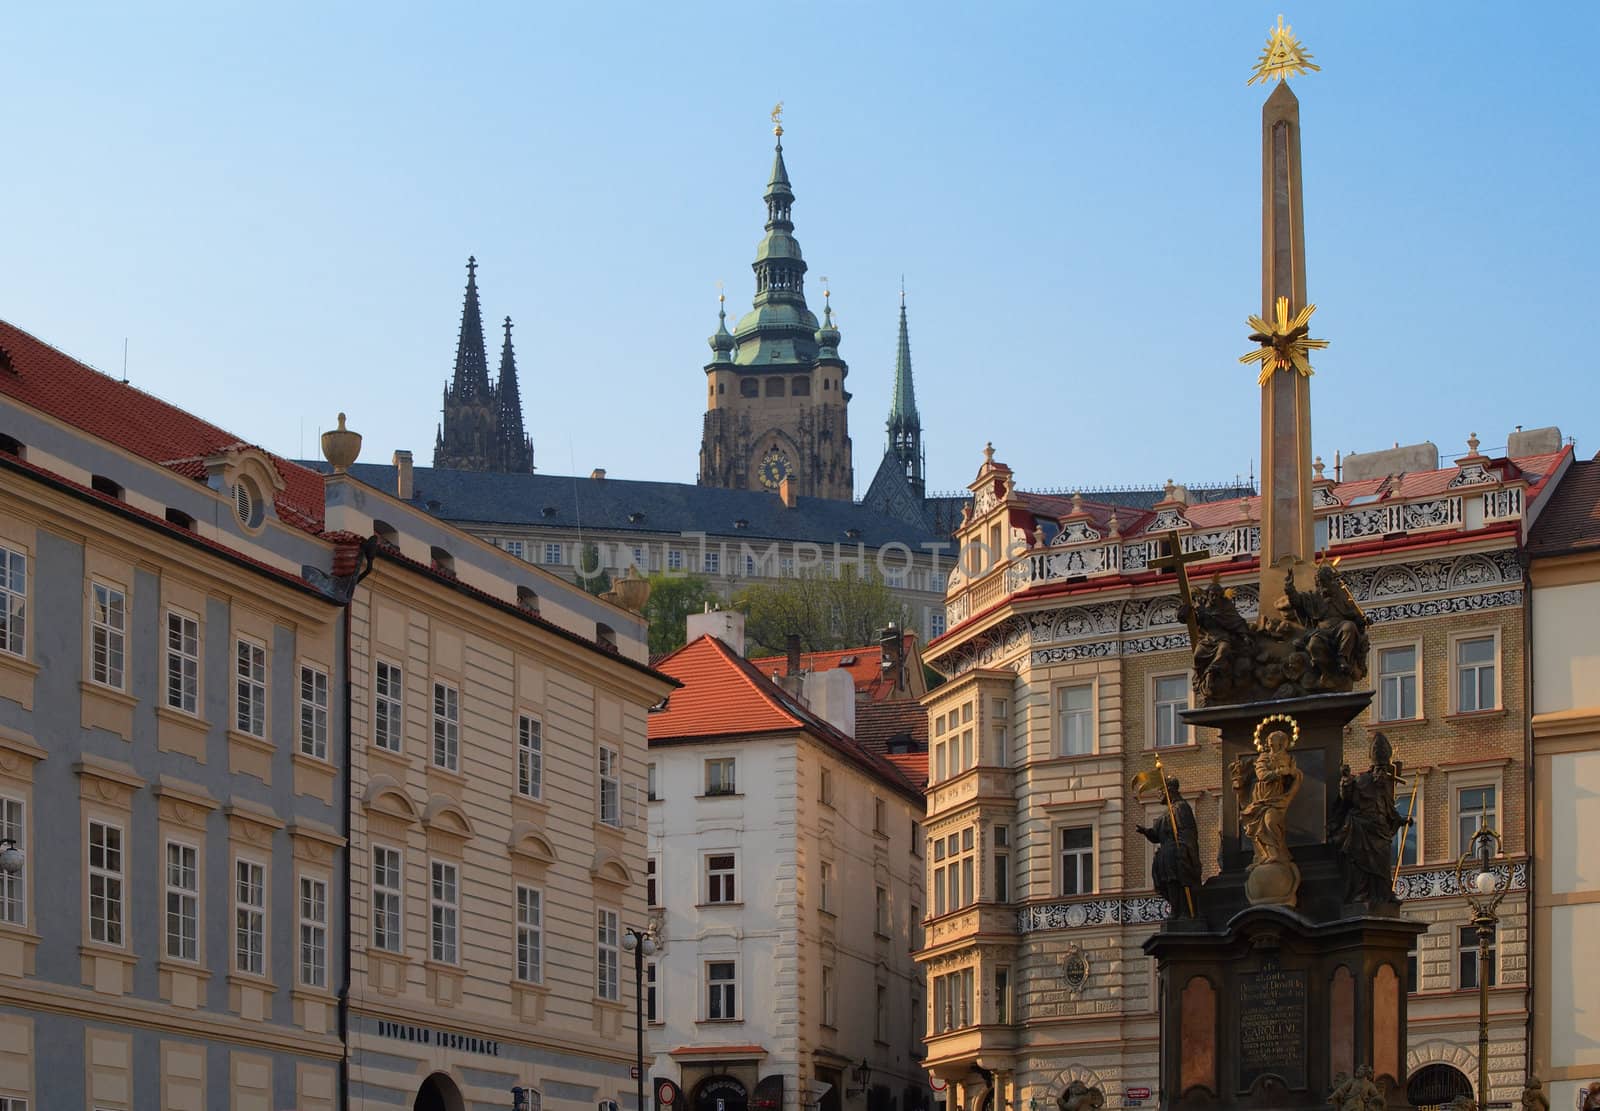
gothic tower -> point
(482, 427)
(776, 405)
(905, 426)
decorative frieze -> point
(1130, 911)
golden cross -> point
(1177, 559)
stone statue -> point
(1533, 1097)
(1463, 1103)
(1265, 787)
(1363, 824)
(1356, 1093)
(1312, 642)
(1176, 869)
(1078, 1096)
(1589, 1098)
(1336, 629)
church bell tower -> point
(776, 406)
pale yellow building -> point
(1565, 621)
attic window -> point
(386, 533)
(180, 518)
(548, 511)
(247, 503)
(847, 661)
(103, 485)
(741, 523)
(635, 517)
(10, 445)
(5, 361)
(853, 533)
(527, 599)
(442, 561)
(606, 635)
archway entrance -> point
(1436, 1085)
(719, 1093)
(439, 1093)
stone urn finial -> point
(341, 447)
(630, 591)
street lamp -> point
(862, 1075)
(10, 857)
(641, 944)
(1477, 879)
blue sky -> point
(274, 208)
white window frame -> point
(1002, 994)
(181, 909)
(13, 601)
(880, 1010)
(1088, 716)
(554, 553)
(530, 756)
(1000, 730)
(249, 916)
(830, 1012)
(1460, 981)
(445, 751)
(955, 862)
(1379, 678)
(880, 910)
(444, 911)
(825, 887)
(1415, 830)
(530, 934)
(1057, 834)
(674, 559)
(721, 994)
(182, 662)
(652, 882)
(313, 712)
(721, 775)
(721, 870)
(388, 706)
(608, 955)
(250, 686)
(14, 885)
(1181, 733)
(608, 786)
(1456, 668)
(711, 561)
(388, 902)
(1000, 858)
(108, 635)
(825, 787)
(654, 1012)
(1458, 813)
(312, 892)
(111, 873)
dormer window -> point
(247, 503)
(527, 599)
(548, 511)
(180, 518)
(386, 534)
(10, 445)
(635, 518)
(606, 635)
(107, 486)
(442, 561)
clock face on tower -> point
(774, 468)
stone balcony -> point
(969, 787)
(992, 921)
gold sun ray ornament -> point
(1284, 342)
(1283, 57)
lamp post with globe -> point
(10, 857)
(642, 944)
(1480, 882)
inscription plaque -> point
(1272, 1026)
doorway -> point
(1436, 1085)
(439, 1093)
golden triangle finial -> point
(777, 119)
(1283, 57)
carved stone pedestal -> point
(1265, 1013)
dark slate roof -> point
(1571, 521)
(628, 505)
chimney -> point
(598, 474)
(831, 695)
(405, 487)
(789, 491)
(726, 625)
(892, 647)
(791, 645)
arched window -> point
(527, 599)
(386, 533)
(107, 486)
(749, 387)
(606, 635)
(180, 518)
(10, 445)
(442, 560)
(774, 387)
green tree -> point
(826, 611)
(591, 573)
(672, 599)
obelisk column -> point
(1287, 520)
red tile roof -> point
(1570, 522)
(882, 725)
(724, 694)
(51, 381)
(865, 666)
(913, 765)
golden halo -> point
(1294, 729)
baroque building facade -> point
(786, 889)
(170, 764)
(481, 427)
(1068, 667)
(776, 403)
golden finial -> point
(777, 119)
(1283, 57)
(720, 295)
(1284, 342)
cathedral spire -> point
(905, 425)
(514, 447)
(472, 366)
